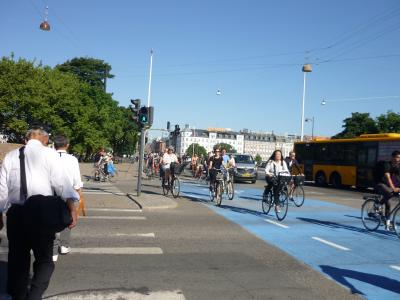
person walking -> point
(71, 166)
(43, 177)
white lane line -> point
(396, 267)
(330, 243)
(108, 235)
(276, 223)
(104, 193)
(120, 250)
(113, 209)
(112, 218)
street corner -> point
(117, 294)
(151, 201)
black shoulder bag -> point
(49, 214)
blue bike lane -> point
(328, 237)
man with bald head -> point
(43, 177)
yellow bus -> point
(347, 162)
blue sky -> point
(250, 50)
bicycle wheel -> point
(298, 195)
(267, 201)
(284, 205)
(396, 221)
(370, 215)
(176, 187)
(218, 195)
(165, 188)
(231, 190)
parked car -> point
(246, 169)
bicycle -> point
(268, 200)
(173, 183)
(228, 184)
(99, 174)
(373, 214)
(218, 188)
(296, 190)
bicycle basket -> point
(284, 179)
(299, 179)
(219, 176)
(176, 168)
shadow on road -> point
(340, 276)
(382, 233)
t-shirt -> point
(225, 158)
(394, 171)
(168, 159)
(217, 162)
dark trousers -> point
(389, 198)
(275, 188)
(21, 240)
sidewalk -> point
(122, 193)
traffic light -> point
(177, 130)
(135, 108)
(144, 116)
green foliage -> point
(229, 148)
(389, 122)
(198, 149)
(358, 123)
(32, 94)
(258, 159)
(361, 123)
(90, 70)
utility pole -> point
(141, 158)
(150, 74)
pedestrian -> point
(71, 166)
(43, 177)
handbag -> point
(44, 213)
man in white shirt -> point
(71, 166)
(43, 177)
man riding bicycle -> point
(168, 158)
(276, 166)
(389, 184)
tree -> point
(229, 148)
(258, 159)
(389, 122)
(358, 123)
(198, 149)
(90, 70)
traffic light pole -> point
(141, 158)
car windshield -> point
(244, 159)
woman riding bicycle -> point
(166, 161)
(215, 164)
(275, 166)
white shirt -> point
(71, 166)
(168, 159)
(274, 168)
(44, 175)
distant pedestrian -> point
(71, 166)
(43, 177)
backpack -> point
(379, 171)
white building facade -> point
(243, 142)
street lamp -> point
(323, 102)
(306, 69)
(45, 26)
(312, 126)
(194, 134)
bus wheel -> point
(336, 180)
(320, 178)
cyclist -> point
(389, 184)
(275, 166)
(292, 164)
(166, 161)
(194, 162)
(215, 163)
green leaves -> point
(32, 94)
(198, 149)
(361, 123)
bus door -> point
(366, 160)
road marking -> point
(121, 250)
(112, 218)
(276, 223)
(3, 250)
(114, 209)
(86, 234)
(330, 243)
(115, 294)
(396, 267)
(152, 235)
(104, 192)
